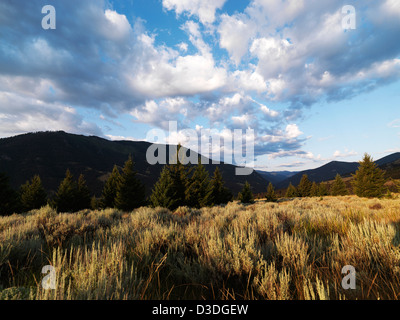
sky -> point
(311, 89)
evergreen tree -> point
(369, 179)
(110, 189)
(217, 193)
(304, 187)
(198, 185)
(271, 196)
(180, 181)
(33, 195)
(65, 198)
(323, 189)
(163, 194)
(9, 201)
(291, 191)
(94, 203)
(314, 192)
(82, 197)
(339, 187)
(246, 196)
(130, 191)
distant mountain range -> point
(50, 154)
(327, 172)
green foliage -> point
(304, 187)
(217, 193)
(82, 199)
(323, 189)
(72, 196)
(64, 200)
(291, 191)
(198, 186)
(314, 192)
(163, 194)
(9, 201)
(110, 189)
(180, 181)
(130, 192)
(271, 196)
(339, 187)
(33, 195)
(246, 195)
(369, 179)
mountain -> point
(50, 154)
(277, 176)
(329, 171)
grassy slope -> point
(289, 250)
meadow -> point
(294, 249)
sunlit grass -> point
(287, 250)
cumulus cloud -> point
(203, 9)
(232, 69)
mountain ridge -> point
(51, 153)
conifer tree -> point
(33, 195)
(163, 194)
(304, 187)
(179, 175)
(217, 194)
(246, 195)
(130, 191)
(339, 187)
(65, 198)
(198, 185)
(314, 191)
(271, 196)
(9, 200)
(323, 189)
(110, 189)
(291, 191)
(82, 198)
(369, 179)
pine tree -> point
(179, 175)
(130, 191)
(65, 198)
(246, 195)
(198, 185)
(9, 201)
(33, 195)
(369, 179)
(82, 197)
(339, 187)
(163, 194)
(271, 196)
(304, 187)
(217, 194)
(291, 191)
(323, 189)
(110, 189)
(314, 192)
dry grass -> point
(289, 250)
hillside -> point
(50, 154)
(391, 164)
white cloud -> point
(203, 9)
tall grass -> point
(288, 250)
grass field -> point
(293, 249)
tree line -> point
(368, 182)
(178, 185)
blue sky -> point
(312, 91)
